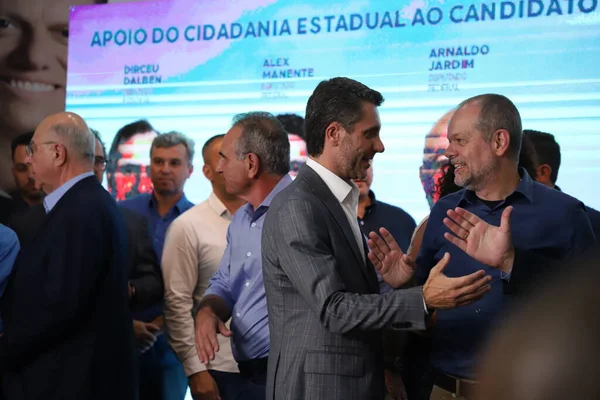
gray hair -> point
(77, 139)
(171, 139)
(263, 135)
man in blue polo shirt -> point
(171, 157)
(496, 223)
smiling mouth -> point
(29, 86)
(458, 166)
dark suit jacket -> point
(27, 222)
(144, 271)
(6, 208)
(68, 331)
(325, 310)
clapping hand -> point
(488, 244)
(395, 267)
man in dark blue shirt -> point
(171, 156)
(475, 226)
(374, 214)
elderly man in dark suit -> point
(326, 312)
(68, 332)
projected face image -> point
(298, 154)
(129, 171)
(33, 62)
(436, 142)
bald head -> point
(70, 130)
(62, 148)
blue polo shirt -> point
(543, 220)
(145, 204)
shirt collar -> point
(52, 199)
(179, 207)
(283, 182)
(373, 200)
(525, 187)
(339, 187)
(217, 206)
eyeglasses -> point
(30, 148)
(100, 162)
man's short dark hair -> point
(498, 112)
(336, 100)
(292, 123)
(22, 140)
(207, 144)
(263, 135)
(547, 149)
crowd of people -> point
(294, 288)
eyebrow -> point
(373, 129)
(222, 155)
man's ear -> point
(252, 165)
(59, 154)
(208, 172)
(501, 142)
(543, 174)
(333, 133)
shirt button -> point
(362, 222)
(478, 311)
(247, 283)
(237, 315)
(248, 254)
(253, 224)
(493, 212)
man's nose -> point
(379, 147)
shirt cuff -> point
(224, 295)
(425, 306)
(505, 276)
(192, 365)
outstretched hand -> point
(395, 267)
(488, 244)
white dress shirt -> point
(193, 248)
(347, 194)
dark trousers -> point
(249, 384)
(161, 374)
(233, 386)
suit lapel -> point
(320, 188)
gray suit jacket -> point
(325, 310)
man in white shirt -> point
(193, 249)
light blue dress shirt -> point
(239, 280)
(52, 199)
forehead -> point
(464, 119)
(230, 137)
(41, 10)
(370, 116)
(20, 154)
(174, 152)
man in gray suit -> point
(325, 310)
